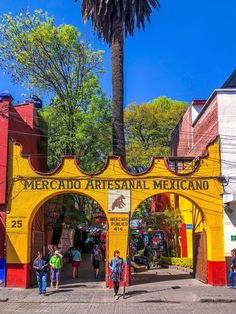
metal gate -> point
(37, 241)
(200, 256)
(199, 246)
(37, 245)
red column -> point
(217, 273)
(4, 122)
(184, 247)
(18, 275)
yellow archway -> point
(118, 193)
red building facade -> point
(21, 124)
(204, 121)
(196, 129)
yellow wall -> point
(186, 209)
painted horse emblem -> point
(118, 202)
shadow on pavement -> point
(74, 286)
(58, 291)
(160, 301)
(131, 294)
(143, 278)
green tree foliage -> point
(148, 128)
(91, 139)
(72, 210)
(55, 60)
(168, 220)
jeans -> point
(231, 278)
(42, 280)
(116, 286)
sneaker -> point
(230, 287)
(117, 297)
(40, 292)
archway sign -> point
(118, 193)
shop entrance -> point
(66, 222)
(168, 230)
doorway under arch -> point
(68, 220)
(172, 225)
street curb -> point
(217, 300)
(183, 269)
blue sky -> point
(187, 51)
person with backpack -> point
(56, 265)
(40, 265)
(116, 266)
(76, 261)
(96, 257)
(232, 269)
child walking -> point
(76, 261)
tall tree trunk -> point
(118, 96)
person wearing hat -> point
(40, 265)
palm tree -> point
(113, 20)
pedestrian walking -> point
(148, 255)
(103, 250)
(40, 265)
(232, 269)
(56, 265)
(50, 252)
(96, 257)
(116, 266)
(76, 261)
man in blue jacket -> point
(40, 265)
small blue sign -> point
(2, 272)
(189, 226)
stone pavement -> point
(162, 288)
(165, 285)
(117, 308)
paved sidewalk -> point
(160, 286)
(157, 285)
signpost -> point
(189, 226)
(127, 256)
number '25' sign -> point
(16, 223)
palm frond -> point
(108, 16)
